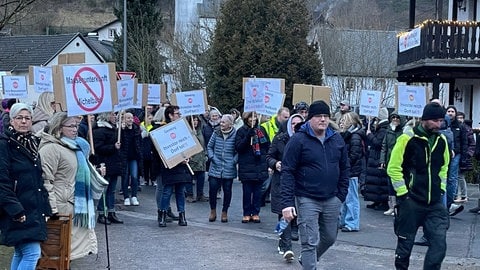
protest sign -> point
(309, 93)
(370, 102)
(191, 102)
(126, 91)
(14, 86)
(254, 96)
(411, 99)
(175, 142)
(271, 84)
(273, 101)
(3, 73)
(41, 78)
(156, 94)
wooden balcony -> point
(448, 50)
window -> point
(349, 84)
(112, 32)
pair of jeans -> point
(252, 196)
(131, 176)
(285, 241)
(452, 180)
(350, 210)
(25, 256)
(179, 196)
(109, 195)
(435, 221)
(462, 185)
(318, 227)
(214, 185)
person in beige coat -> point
(67, 177)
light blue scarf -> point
(84, 211)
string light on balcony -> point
(431, 21)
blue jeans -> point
(252, 195)
(159, 192)
(318, 226)
(350, 210)
(25, 256)
(452, 180)
(179, 196)
(214, 186)
(132, 175)
(199, 176)
(109, 195)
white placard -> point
(154, 94)
(254, 96)
(138, 103)
(191, 102)
(274, 85)
(370, 102)
(3, 73)
(87, 89)
(14, 86)
(126, 94)
(411, 100)
(273, 101)
(409, 40)
(42, 79)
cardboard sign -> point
(3, 73)
(370, 102)
(14, 86)
(270, 84)
(309, 93)
(411, 99)
(71, 58)
(85, 89)
(192, 102)
(156, 94)
(141, 96)
(41, 78)
(175, 142)
(127, 94)
(254, 96)
(273, 101)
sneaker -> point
(126, 202)
(190, 199)
(455, 209)
(134, 201)
(289, 255)
(348, 229)
(475, 210)
(389, 212)
(280, 250)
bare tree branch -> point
(9, 9)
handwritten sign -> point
(269, 84)
(15, 86)
(191, 102)
(175, 142)
(411, 100)
(88, 89)
(154, 94)
(42, 79)
(254, 96)
(370, 102)
(126, 94)
(273, 101)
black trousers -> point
(435, 221)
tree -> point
(262, 38)
(144, 25)
(13, 10)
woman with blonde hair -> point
(43, 111)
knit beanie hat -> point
(17, 107)
(383, 113)
(433, 111)
(318, 107)
(452, 107)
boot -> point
(102, 219)
(392, 200)
(114, 219)
(476, 209)
(171, 214)
(162, 218)
(224, 218)
(213, 215)
(181, 220)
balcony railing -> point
(445, 40)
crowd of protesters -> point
(312, 167)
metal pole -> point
(124, 35)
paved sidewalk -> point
(141, 244)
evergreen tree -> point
(144, 25)
(262, 38)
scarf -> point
(258, 139)
(83, 209)
(27, 140)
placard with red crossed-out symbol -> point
(411, 99)
(273, 101)
(87, 89)
(126, 94)
(42, 79)
(15, 87)
(191, 102)
(254, 96)
(370, 101)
